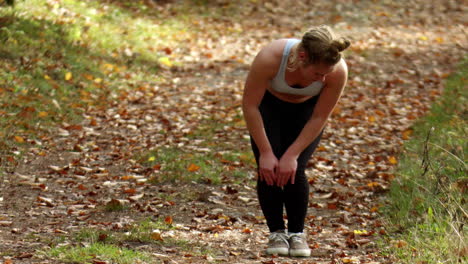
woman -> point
(291, 89)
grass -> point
(98, 251)
(208, 157)
(89, 245)
(59, 58)
(56, 61)
(115, 206)
(172, 164)
(141, 232)
(428, 210)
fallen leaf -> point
(88, 77)
(439, 40)
(373, 184)
(130, 191)
(156, 236)
(406, 134)
(165, 61)
(350, 260)
(193, 167)
(168, 220)
(135, 198)
(68, 76)
(97, 261)
(82, 187)
(24, 255)
(360, 232)
(19, 139)
(45, 200)
(247, 231)
(6, 223)
(102, 237)
(399, 243)
(167, 50)
(43, 114)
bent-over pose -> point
(291, 89)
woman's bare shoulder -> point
(274, 49)
(269, 57)
(341, 69)
(339, 76)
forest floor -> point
(400, 55)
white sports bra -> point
(278, 83)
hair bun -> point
(322, 45)
(340, 44)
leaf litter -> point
(401, 53)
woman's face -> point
(316, 72)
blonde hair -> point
(320, 45)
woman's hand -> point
(267, 167)
(286, 171)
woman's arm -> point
(329, 97)
(258, 80)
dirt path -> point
(401, 54)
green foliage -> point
(144, 231)
(177, 165)
(202, 160)
(98, 251)
(141, 231)
(55, 61)
(89, 245)
(429, 197)
(34, 88)
(115, 206)
(7, 2)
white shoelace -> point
(296, 237)
(279, 237)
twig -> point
(425, 161)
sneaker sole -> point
(278, 251)
(299, 253)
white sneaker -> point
(298, 246)
(278, 243)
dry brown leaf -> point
(6, 223)
(18, 139)
(193, 167)
(168, 220)
(399, 243)
(392, 160)
(47, 201)
(332, 206)
(131, 191)
(156, 236)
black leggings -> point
(283, 122)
